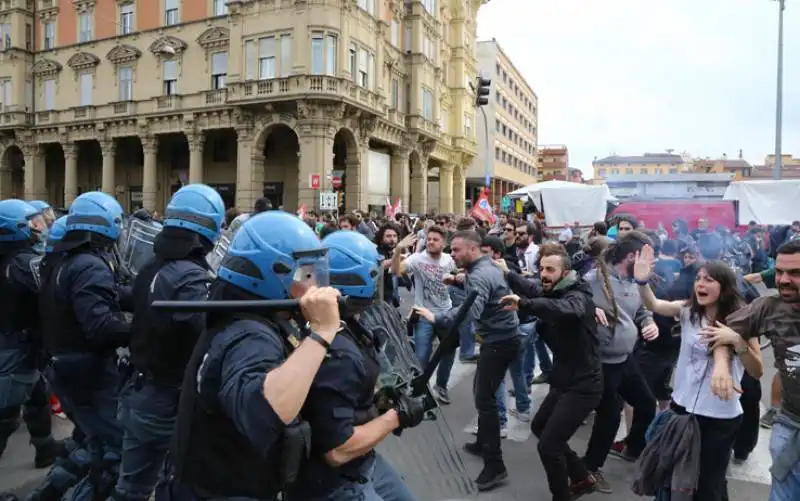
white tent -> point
(765, 201)
(564, 202)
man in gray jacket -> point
(500, 346)
(621, 317)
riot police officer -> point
(83, 327)
(20, 344)
(162, 342)
(345, 424)
(238, 433)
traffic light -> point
(340, 199)
(482, 91)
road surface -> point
(748, 482)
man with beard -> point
(566, 320)
(778, 318)
(500, 347)
(386, 240)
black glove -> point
(410, 411)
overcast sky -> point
(630, 76)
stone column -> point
(316, 157)
(400, 176)
(35, 183)
(109, 150)
(446, 188)
(419, 187)
(459, 189)
(149, 171)
(196, 142)
(247, 161)
(70, 172)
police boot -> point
(47, 451)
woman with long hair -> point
(705, 375)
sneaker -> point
(768, 419)
(600, 482)
(541, 379)
(622, 453)
(503, 431)
(48, 452)
(491, 477)
(469, 359)
(739, 460)
(441, 395)
(582, 487)
(524, 417)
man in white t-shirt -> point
(430, 271)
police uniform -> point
(83, 327)
(21, 383)
(162, 342)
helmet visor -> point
(312, 270)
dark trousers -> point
(558, 418)
(716, 442)
(747, 437)
(621, 383)
(36, 413)
(493, 362)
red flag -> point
(482, 209)
(389, 208)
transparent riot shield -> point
(214, 258)
(426, 455)
(36, 265)
(136, 244)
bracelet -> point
(640, 282)
(319, 340)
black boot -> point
(47, 451)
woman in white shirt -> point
(704, 378)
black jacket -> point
(567, 324)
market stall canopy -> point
(564, 202)
(765, 201)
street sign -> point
(315, 181)
(327, 200)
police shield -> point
(426, 453)
(214, 258)
(36, 265)
(136, 244)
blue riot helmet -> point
(57, 232)
(95, 212)
(197, 208)
(40, 205)
(274, 255)
(15, 220)
(354, 264)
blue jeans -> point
(545, 364)
(383, 483)
(148, 414)
(523, 399)
(529, 346)
(466, 331)
(423, 346)
(787, 489)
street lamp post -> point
(779, 94)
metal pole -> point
(779, 95)
(487, 168)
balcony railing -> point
(301, 85)
(165, 103)
(124, 108)
(216, 97)
(14, 118)
(83, 113)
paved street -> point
(749, 482)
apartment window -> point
(28, 36)
(428, 48)
(5, 36)
(126, 84)
(407, 38)
(286, 55)
(49, 35)
(363, 68)
(126, 19)
(352, 56)
(85, 21)
(444, 121)
(266, 58)
(86, 84)
(367, 5)
(171, 12)
(408, 97)
(467, 125)
(6, 93)
(427, 104)
(371, 71)
(395, 33)
(220, 7)
(219, 70)
(49, 94)
(250, 57)
(170, 77)
(395, 93)
(330, 54)
(430, 6)
(317, 54)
